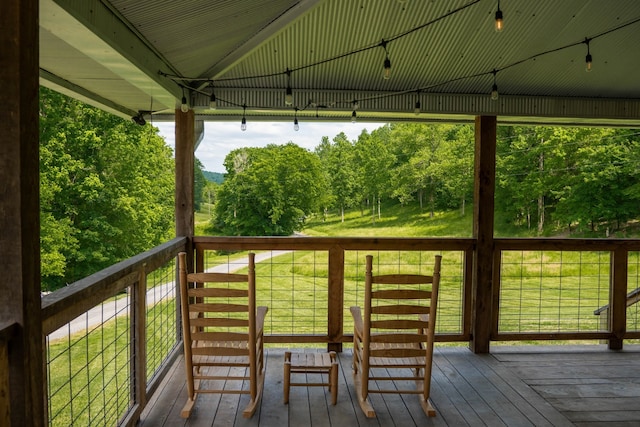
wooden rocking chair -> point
(221, 328)
(396, 332)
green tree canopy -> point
(106, 189)
(269, 191)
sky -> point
(220, 138)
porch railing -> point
(110, 339)
(102, 372)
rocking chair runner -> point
(221, 328)
(396, 332)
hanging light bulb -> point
(213, 102)
(296, 126)
(184, 107)
(387, 68)
(588, 58)
(417, 109)
(243, 123)
(288, 97)
(387, 61)
(355, 105)
(499, 20)
(353, 116)
(494, 88)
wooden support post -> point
(483, 217)
(184, 173)
(20, 217)
(618, 297)
(336, 299)
(185, 205)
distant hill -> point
(216, 177)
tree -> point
(269, 191)
(374, 159)
(106, 189)
(198, 185)
(338, 161)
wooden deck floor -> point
(512, 386)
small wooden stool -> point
(311, 363)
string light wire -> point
(396, 37)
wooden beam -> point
(185, 125)
(483, 217)
(19, 217)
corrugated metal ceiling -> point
(450, 49)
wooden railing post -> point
(139, 302)
(336, 299)
(618, 297)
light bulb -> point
(494, 92)
(417, 108)
(243, 124)
(353, 116)
(355, 105)
(288, 97)
(387, 68)
(213, 103)
(589, 61)
(296, 126)
(499, 21)
(184, 107)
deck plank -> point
(515, 386)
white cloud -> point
(222, 137)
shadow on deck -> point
(512, 386)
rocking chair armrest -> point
(358, 325)
(261, 313)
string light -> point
(296, 126)
(387, 61)
(355, 105)
(499, 20)
(183, 106)
(288, 97)
(243, 123)
(213, 102)
(588, 59)
(417, 108)
(494, 92)
(353, 116)
(494, 89)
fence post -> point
(618, 297)
(335, 323)
(140, 337)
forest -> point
(549, 180)
(107, 184)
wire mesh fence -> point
(294, 286)
(162, 332)
(89, 367)
(633, 292)
(553, 291)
